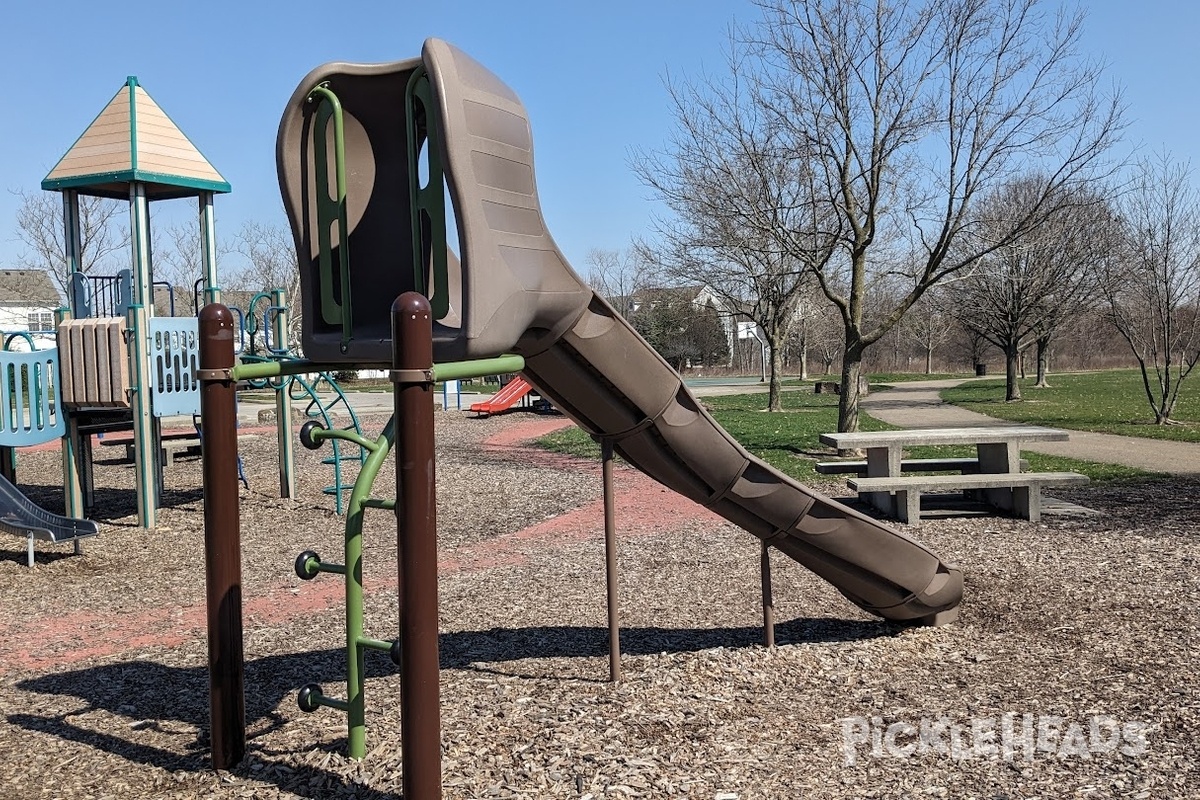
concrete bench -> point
(174, 443)
(1025, 499)
(859, 467)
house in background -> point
(701, 296)
(28, 299)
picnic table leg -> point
(908, 506)
(883, 462)
(1027, 502)
(1000, 458)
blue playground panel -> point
(174, 359)
(31, 409)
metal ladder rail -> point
(301, 389)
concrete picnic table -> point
(997, 472)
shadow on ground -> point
(110, 503)
(174, 700)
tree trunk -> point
(1012, 366)
(929, 359)
(848, 400)
(1043, 362)
(803, 355)
(1160, 418)
(775, 400)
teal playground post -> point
(283, 405)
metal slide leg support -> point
(222, 537)
(610, 562)
(416, 542)
(768, 598)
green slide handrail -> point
(428, 202)
(331, 209)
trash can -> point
(980, 370)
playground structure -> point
(116, 365)
(119, 368)
(349, 167)
(509, 395)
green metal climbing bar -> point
(427, 201)
(331, 210)
(441, 372)
(309, 565)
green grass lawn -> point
(882, 378)
(787, 440)
(1107, 402)
(790, 440)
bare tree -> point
(969, 347)
(824, 331)
(1154, 290)
(810, 309)
(1021, 292)
(269, 263)
(743, 219)
(103, 233)
(618, 275)
(178, 261)
(909, 112)
(929, 325)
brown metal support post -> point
(222, 537)
(610, 562)
(416, 544)
(768, 599)
(8, 464)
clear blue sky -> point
(590, 75)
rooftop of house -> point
(33, 288)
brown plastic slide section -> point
(516, 293)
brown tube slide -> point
(514, 292)
(605, 377)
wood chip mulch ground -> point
(1070, 675)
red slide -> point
(504, 399)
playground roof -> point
(133, 140)
(28, 287)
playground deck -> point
(103, 683)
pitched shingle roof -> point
(134, 140)
(28, 287)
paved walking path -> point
(917, 405)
